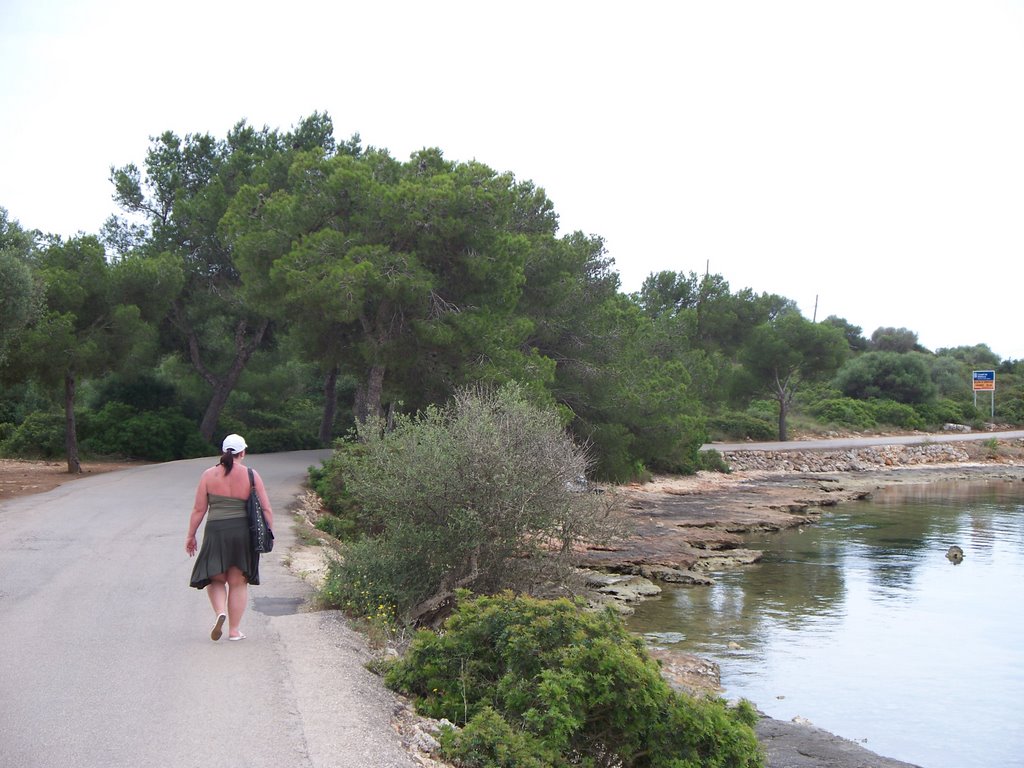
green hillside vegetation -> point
(289, 286)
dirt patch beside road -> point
(20, 477)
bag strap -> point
(252, 483)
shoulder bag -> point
(259, 532)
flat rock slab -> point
(797, 745)
(686, 528)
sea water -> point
(863, 625)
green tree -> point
(86, 328)
(951, 376)
(783, 354)
(626, 380)
(714, 318)
(415, 269)
(188, 183)
(17, 289)
(978, 357)
(899, 340)
(853, 333)
(903, 377)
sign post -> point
(985, 381)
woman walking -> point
(227, 564)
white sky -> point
(867, 154)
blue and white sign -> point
(984, 381)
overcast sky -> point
(865, 156)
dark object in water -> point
(955, 555)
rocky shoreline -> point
(680, 528)
(684, 527)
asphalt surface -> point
(106, 654)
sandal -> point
(218, 627)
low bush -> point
(844, 412)
(143, 391)
(338, 527)
(364, 581)
(119, 429)
(612, 445)
(897, 414)
(328, 481)
(712, 461)
(276, 439)
(544, 683)
(944, 411)
(742, 426)
(483, 493)
(39, 436)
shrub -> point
(742, 426)
(766, 410)
(896, 414)
(275, 439)
(364, 581)
(572, 687)
(1011, 409)
(712, 461)
(143, 391)
(338, 527)
(887, 376)
(39, 436)
(488, 741)
(844, 411)
(944, 411)
(613, 447)
(481, 493)
(328, 481)
(122, 430)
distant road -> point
(843, 443)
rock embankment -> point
(851, 460)
(682, 527)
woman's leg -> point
(218, 593)
(238, 598)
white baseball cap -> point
(234, 444)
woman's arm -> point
(198, 512)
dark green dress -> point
(226, 542)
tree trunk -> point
(245, 346)
(368, 395)
(784, 396)
(221, 393)
(330, 406)
(70, 430)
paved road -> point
(105, 650)
(843, 443)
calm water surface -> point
(861, 625)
